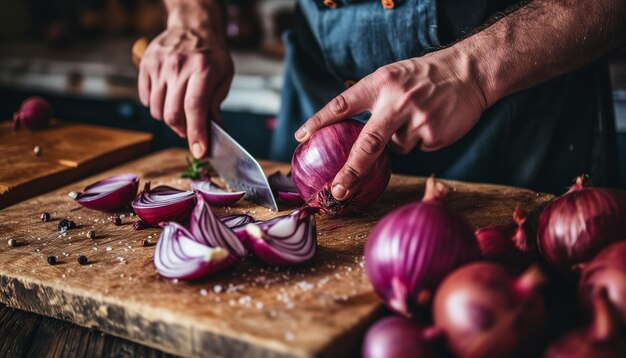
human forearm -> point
(539, 41)
(201, 15)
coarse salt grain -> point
(217, 288)
(204, 292)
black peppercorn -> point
(117, 221)
(52, 260)
(45, 217)
(82, 260)
(65, 225)
(145, 243)
(139, 225)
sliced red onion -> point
(281, 182)
(214, 195)
(285, 188)
(207, 229)
(179, 256)
(286, 240)
(293, 199)
(109, 194)
(163, 203)
(236, 220)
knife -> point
(237, 168)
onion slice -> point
(285, 188)
(207, 229)
(109, 194)
(179, 256)
(286, 240)
(163, 203)
(293, 199)
(214, 195)
(236, 220)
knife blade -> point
(238, 169)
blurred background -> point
(76, 53)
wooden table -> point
(130, 300)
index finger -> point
(366, 149)
(356, 99)
(196, 110)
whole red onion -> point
(601, 339)
(317, 161)
(34, 113)
(398, 337)
(508, 244)
(578, 224)
(607, 271)
(414, 247)
(484, 311)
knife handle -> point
(138, 50)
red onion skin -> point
(113, 200)
(399, 337)
(317, 161)
(178, 212)
(414, 247)
(34, 113)
(578, 224)
(485, 312)
(607, 271)
(508, 245)
(602, 339)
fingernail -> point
(339, 191)
(197, 150)
(301, 133)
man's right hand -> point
(184, 76)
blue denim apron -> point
(540, 138)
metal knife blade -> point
(238, 169)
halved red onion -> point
(286, 240)
(236, 220)
(285, 188)
(179, 256)
(207, 229)
(109, 194)
(163, 203)
(214, 195)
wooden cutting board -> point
(69, 151)
(321, 308)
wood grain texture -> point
(69, 151)
(318, 309)
(25, 334)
